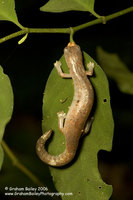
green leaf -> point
(81, 177)
(6, 106)
(7, 12)
(116, 70)
(69, 5)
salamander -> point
(74, 123)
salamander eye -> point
(77, 47)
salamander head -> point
(72, 48)
(72, 53)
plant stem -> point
(103, 20)
(20, 166)
(13, 35)
(35, 30)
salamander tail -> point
(57, 161)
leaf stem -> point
(71, 34)
(20, 166)
(102, 19)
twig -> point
(20, 166)
(103, 20)
(23, 169)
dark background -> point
(28, 67)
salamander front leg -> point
(57, 65)
(90, 67)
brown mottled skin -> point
(78, 113)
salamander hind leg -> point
(90, 67)
(61, 119)
(88, 126)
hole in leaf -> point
(100, 187)
(104, 100)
